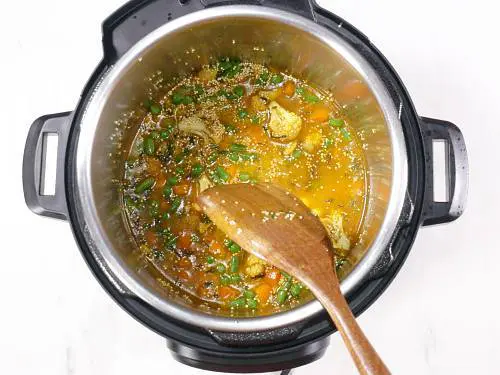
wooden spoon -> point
(276, 226)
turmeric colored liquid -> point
(236, 122)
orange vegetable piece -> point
(319, 114)
(232, 169)
(216, 248)
(154, 166)
(184, 241)
(263, 292)
(184, 275)
(184, 263)
(289, 88)
(228, 292)
(181, 189)
(273, 276)
(151, 238)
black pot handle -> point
(34, 164)
(137, 18)
(457, 171)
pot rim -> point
(116, 268)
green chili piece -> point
(196, 170)
(234, 263)
(145, 185)
(222, 173)
(149, 146)
(237, 147)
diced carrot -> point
(184, 263)
(182, 189)
(154, 166)
(289, 88)
(273, 276)
(216, 248)
(319, 113)
(227, 292)
(184, 241)
(151, 238)
(263, 292)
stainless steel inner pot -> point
(280, 39)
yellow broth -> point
(236, 122)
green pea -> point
(252, 304)
(234, 263)
(237, 147)
(282, 296)
(167, 191)
(172, 181)
(155, 109)
(336, 122)
(234, 248)
(239, 91)
(238, 303)
(149, 146)
(235, 278)
(222, 173)
(221, 268)
(210, 259)
(196, 170)
(244, 177)
(145, 185)
(295, 289)
(176, 203)
(242, 113)
(278, 78)
(225, 280)
(177, 98)
(249, 294)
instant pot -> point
(176, 38)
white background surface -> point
(54, 317)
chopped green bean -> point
(149, 146)
(282, 296)
(296, 289)
(234, 263)
(145, 185)
(244, 177)
(196, 170)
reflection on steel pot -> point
(145, 36)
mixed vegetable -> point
(236, 122)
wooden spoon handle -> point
(362, 352)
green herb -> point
(145, 185)
(327, 142)
(345, 134)
(187, 100)
(210, 259)
(166, 133)
(263, 78)
(239, 91)
(307, 95)
(282, 296)
(235, 278)
(238, 303)
(225, 279)
(249, 156)
(229, 67)
(249, 294)
(213, 157)
(233, 156)
(154, 207)
(255, 119)
(252, 304)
